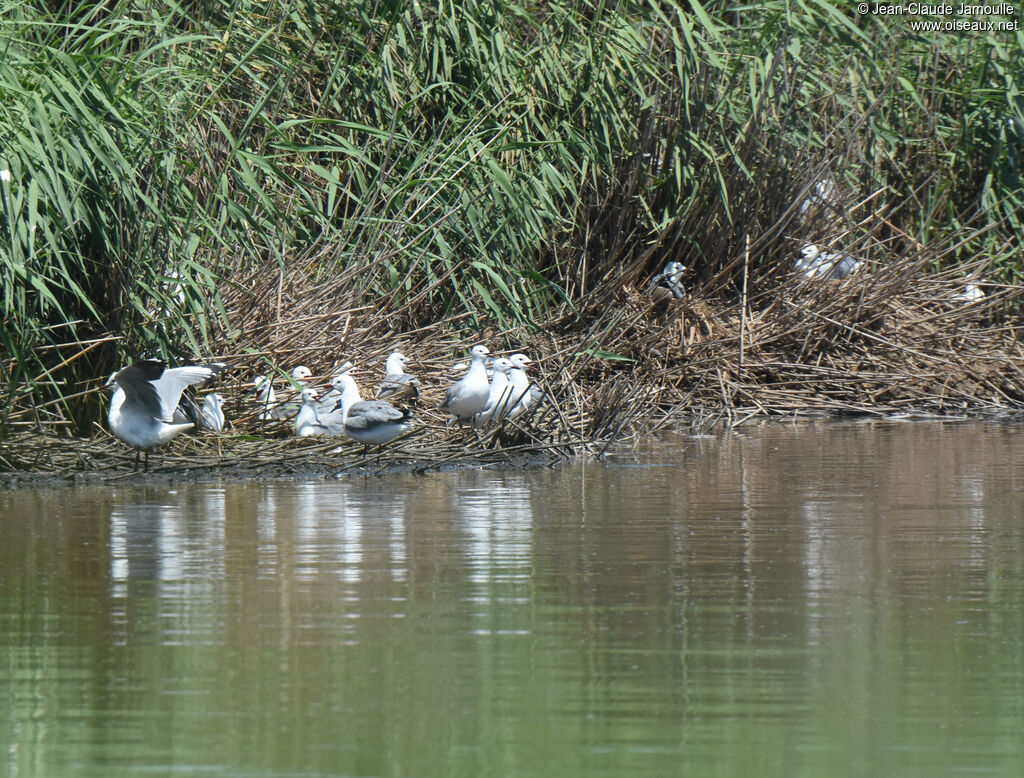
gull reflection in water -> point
(322, 528)
(497, 521)
(168, 536)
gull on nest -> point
(824, 194)
(310, 420)
(971, 294)
(668, 282)
(211, 415)
(397, 383)
(815, 264)
(267, 398)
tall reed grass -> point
(488, 162)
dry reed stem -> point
(892, 341)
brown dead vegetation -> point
(624, 363)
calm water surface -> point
(822, 599)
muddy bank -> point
(32, 461)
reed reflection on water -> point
(805, 599)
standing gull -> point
(142, 412)
(397, 383)
(499, 395)
(524, 394)
(467, 397)
(371, 422)
(187, 411)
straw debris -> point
(893, 341)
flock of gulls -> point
(812, 264)
(150, 407)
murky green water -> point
(828, 599)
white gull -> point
(524, 394)
(467, 397)
(211, 415)
(499, 395)
(142, 412)
(813, 263)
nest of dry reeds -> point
(893, 340)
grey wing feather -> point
(172, 383)
(330, 401)
(284, 411)
(656, 281)
(450, 394)
(187, 411)
(136, 381)
(334, 422)
(143, 393)
(369, 413)
(399, 386)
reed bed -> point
(891, 340)
(269, 184)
